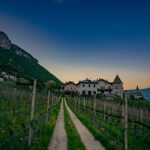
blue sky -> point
(75, 39)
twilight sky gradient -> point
(75, 39)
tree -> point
(51, 85)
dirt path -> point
(86, 137)
(59, 138)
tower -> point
(137, 88)
(118, 86)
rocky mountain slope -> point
(6, 44)
(18, 62)
(4, 41)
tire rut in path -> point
(59, 138)
(86, 137)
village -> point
(87, 87)
(100, 87)
(96, 87)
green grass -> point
(74, 141)
(41, 143)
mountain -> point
(4, 41)
(17, 61)
(19, 51)
(6, 44)
(146, 93)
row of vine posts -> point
(23, 114)
(131, 131)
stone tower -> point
(118, 87)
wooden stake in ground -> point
(48, 104)
(122, 107)
(141, 115)
(104, 107)
(126, 124)
(32, 111)
(84, 103)
(75, 104)
(94, 109)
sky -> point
(78, 39)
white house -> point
(86, 87)
(101, 86)
(1, 79)
(104, 87)
(10, 77)
(70, 87)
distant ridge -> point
(17, 61)
(145, 92)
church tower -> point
(118, 87)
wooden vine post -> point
(14, 107)
(126, 123)
(75, 104)
(84, 103)
(48, 99)
(52, 99)
(78, 104)
(141, 115)
(104, 107)
(32, 111)
(122, 107)
(94, 109)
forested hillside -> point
(24, 67)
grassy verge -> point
(74, 141)
(105, 141)
(41, 143)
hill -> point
(145, 93)
(24, 67)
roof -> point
(85, 81)
(117, 80)
(93, 82)
(136, 94)
(104, 81)
(70, 82)
(137, 88)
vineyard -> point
(106, 120)
(28, 115)
(24, 113)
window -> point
(83, 85)
(102, 87)
(89, 85)
(94, 85)
(83, 92)
(116, 87)
(89, 92)
(94, 92)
